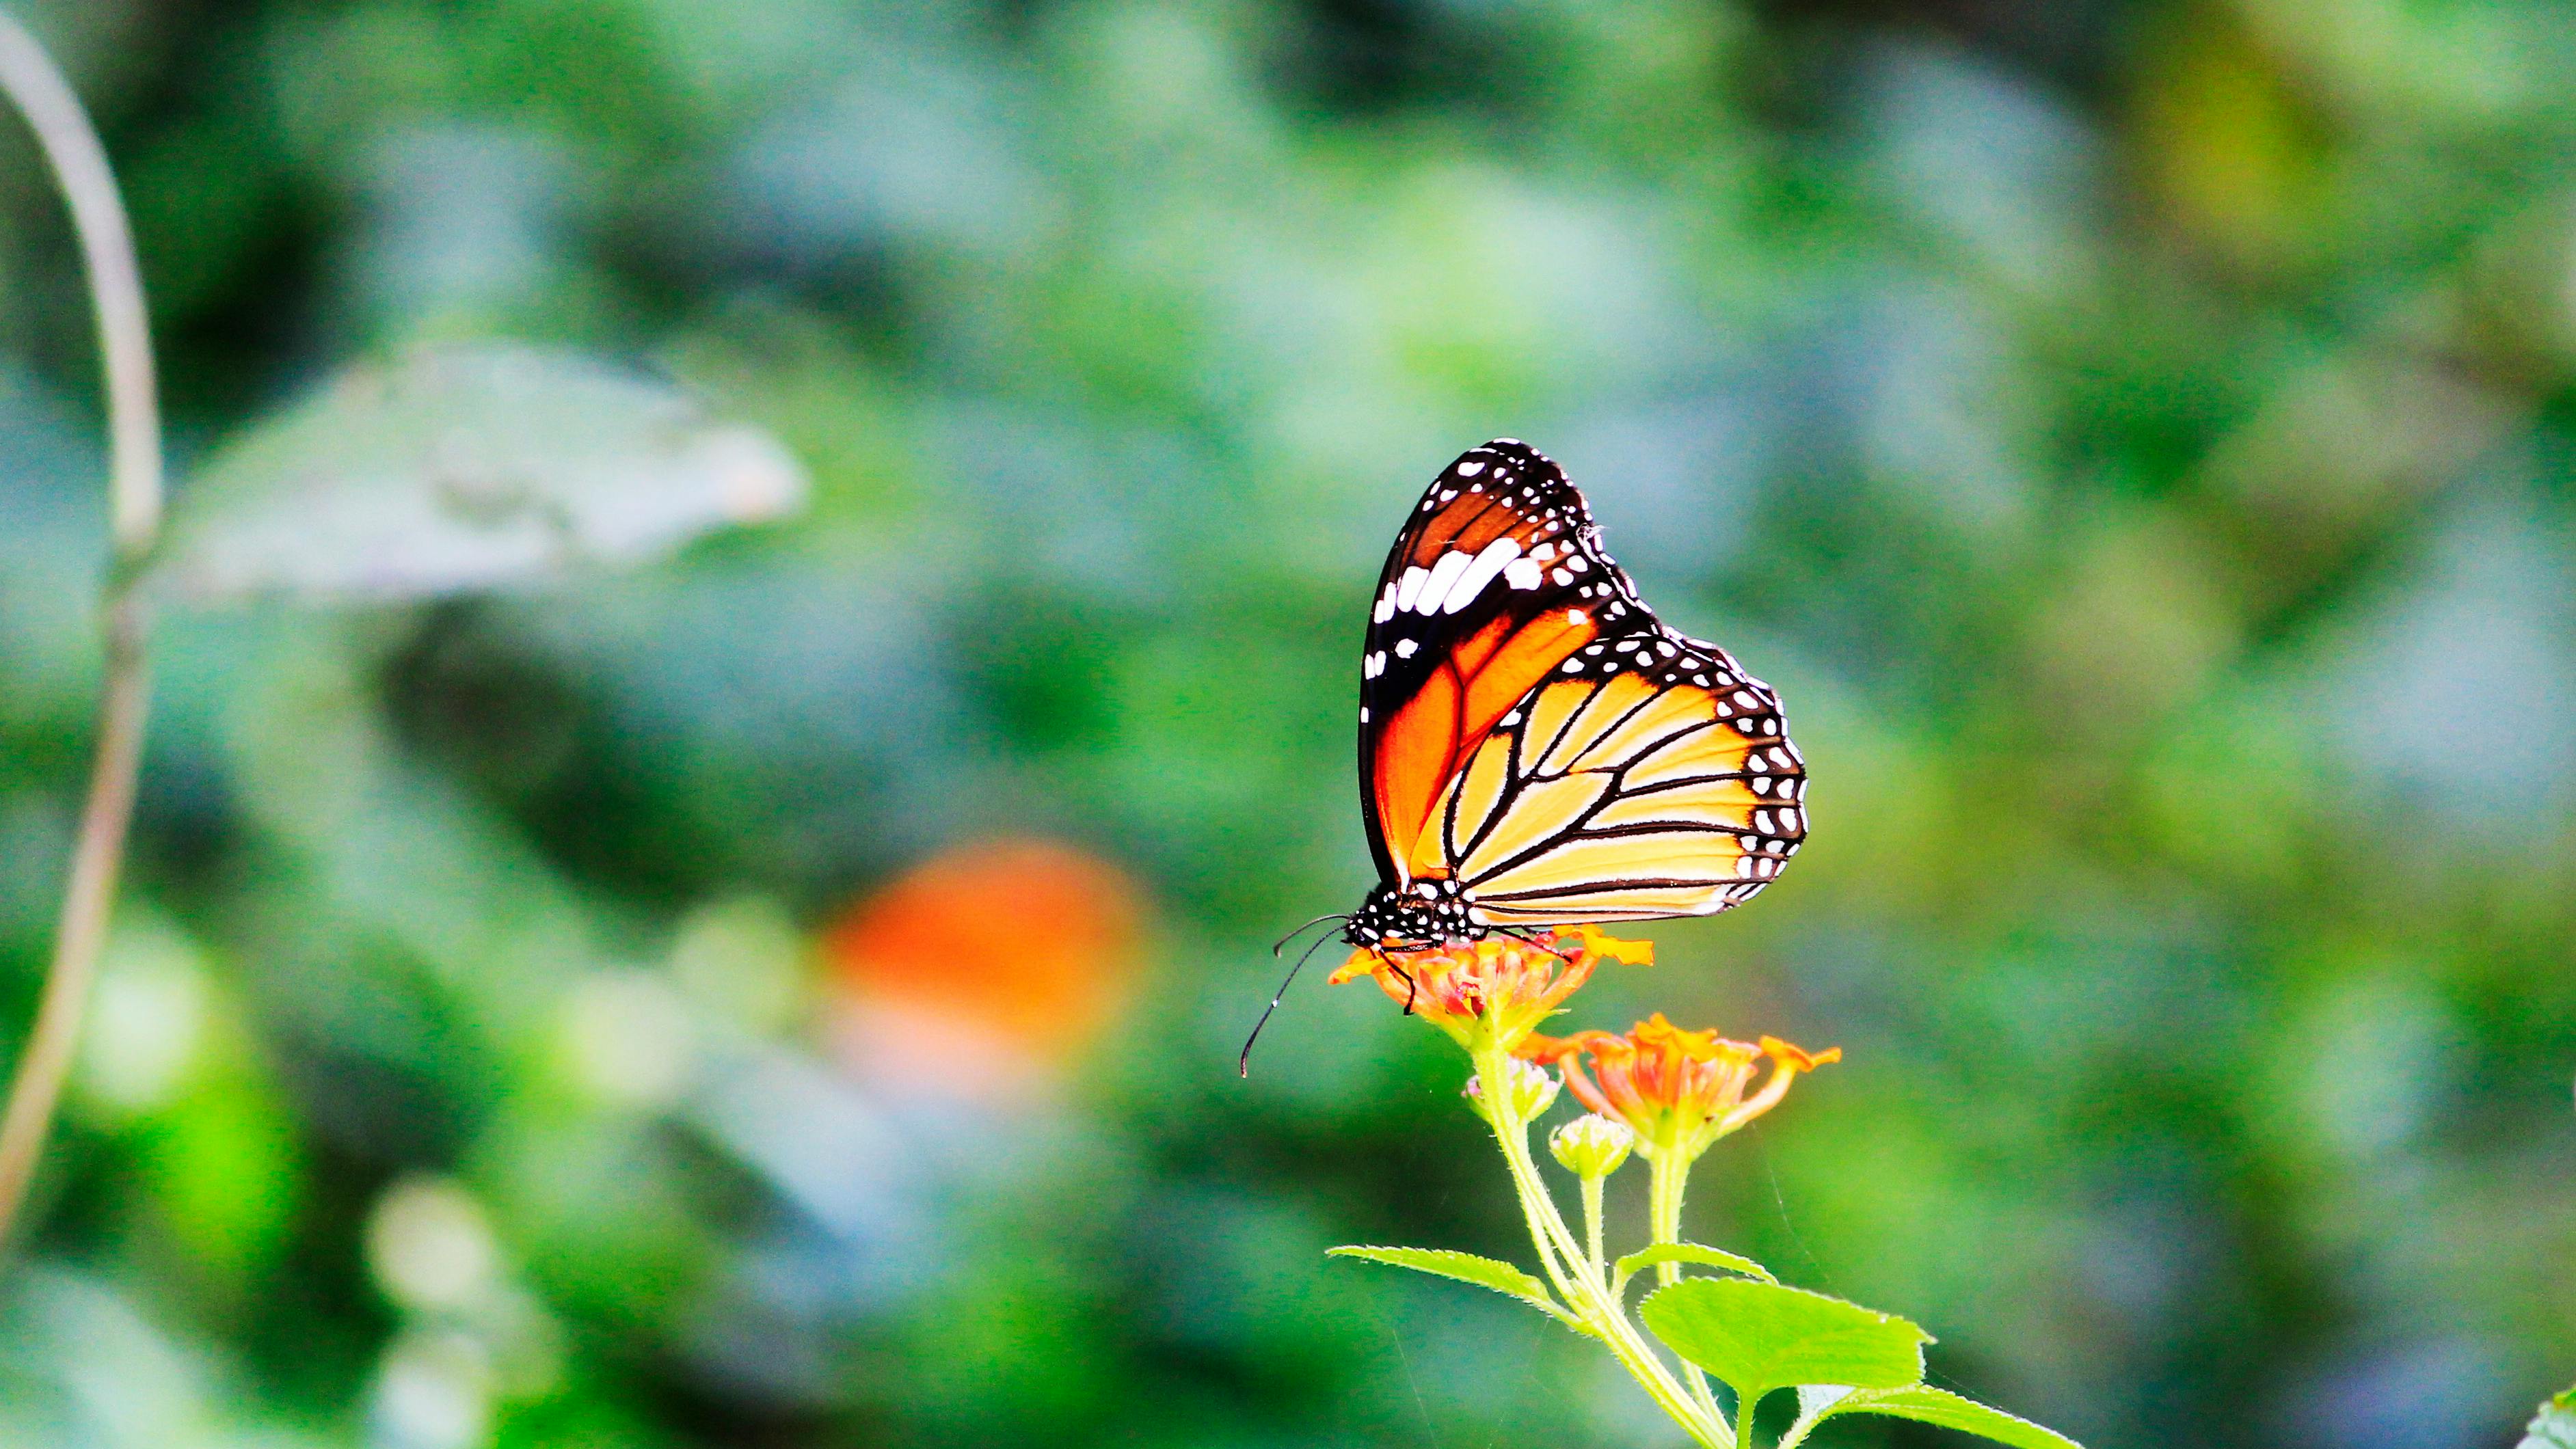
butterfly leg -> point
(1412, 988)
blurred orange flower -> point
(984, 964)
(1499, 988)
(1679, 1091)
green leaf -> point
(1638, 1262)
(2554, 1427)
(1491, 1273)
(1927, 1405)
(464, 468)
(1760, 1336)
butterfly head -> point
(1425, 913)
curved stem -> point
(1547, 1229)
(87, 897)
(79, 162)
(1585, 1290)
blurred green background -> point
(787, 996)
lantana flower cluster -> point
(1718, 1332)
(1655, 1091)
(1676, 1092)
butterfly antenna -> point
(1292, 935)
(1243, 1063)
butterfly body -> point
(1536, 748)
(1429, 913)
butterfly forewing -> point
(1496, 580)
(1529, 729)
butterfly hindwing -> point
(1531, 731)
(1668, 787)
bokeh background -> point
(787, 996)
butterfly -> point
(1536, 748)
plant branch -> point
(1556, 1254)
(71, 147)
(79, 162)
(1668, 1177)
(1582, 1285)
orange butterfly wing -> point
(1433, 733)
(1488, 589)
(1528, 727)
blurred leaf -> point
(223, 1171)
(463, 468)
(2554, 1427)
(1638, 1262)
(1760, 1336)
(1927, 1405)
(1466, 1268)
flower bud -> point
(1591, 1145)
(1533, 1089)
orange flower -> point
(1677, 1090)
(984, 968)
(1497, 990)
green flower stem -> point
(1584, 1288)
(1548, 1233)
(1668, 1177)
(1592, 1224)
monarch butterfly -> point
(1536, 748)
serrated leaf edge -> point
(1627, 1268)
(1529, 1288)
(1757, 1393)
(1873, 1401)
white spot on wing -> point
(1409, 587)
(1435, 589)
(1497, 556)
(1522, 574)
